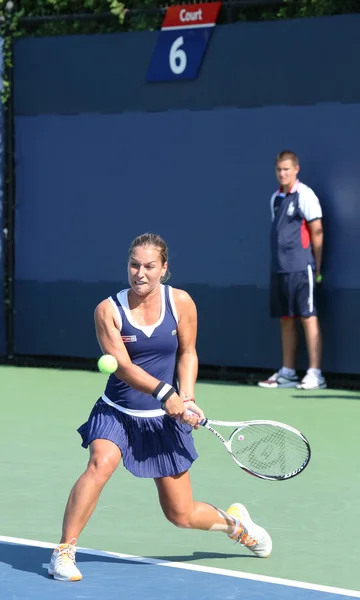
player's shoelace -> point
(243, 537)
(66, 554)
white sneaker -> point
(62, 564)
(312, 381)
(278, 380)
(249, 534)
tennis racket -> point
(266, 449)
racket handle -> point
(190, 412)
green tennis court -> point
(313, 519)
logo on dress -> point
(290, 210)
(174, 332)
(129, 338)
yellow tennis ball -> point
(107, 364)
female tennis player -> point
(151, 330)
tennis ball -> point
(107, 364)
(318, 278)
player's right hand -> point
(194, 408)
(175, 408)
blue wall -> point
(2, 319)
(102, 156)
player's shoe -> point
(248, 534)
(279, 380)
(62, 564)
(312, 381)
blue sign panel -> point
(182, 42)
(178, 54)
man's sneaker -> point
(312, 381)
(62, 564)
(248, 534)
(278, 380)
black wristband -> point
(162, 392)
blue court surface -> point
(113, 576)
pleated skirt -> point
(150, 447)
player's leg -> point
(179, 507)
(104, 459)
(281, 308)
(306, 308)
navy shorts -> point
(293, 294)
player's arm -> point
(187, 366)
(317, 238)
(109, 338)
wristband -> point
(189, 400)
(162, 392)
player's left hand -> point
(194, 408)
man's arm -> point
(311, 208)
(317, 236)
(272, 202)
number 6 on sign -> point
(182, 42)
(177, 57)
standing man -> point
(296, 253)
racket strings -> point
(269, 450)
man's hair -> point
(287, 155)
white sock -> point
(316, 372)
(287, 372)
(236, 526)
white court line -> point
(199, 568)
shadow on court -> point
(304, 395)
(23, 575)
(32, 559)
(201, 556)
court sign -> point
(182, 42)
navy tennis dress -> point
(152, 444)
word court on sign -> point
(182, 42)
(192, 15)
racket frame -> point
(238, 425)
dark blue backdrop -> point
(2, 320)
(103, 156)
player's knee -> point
(179, 519)
(101, 466)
